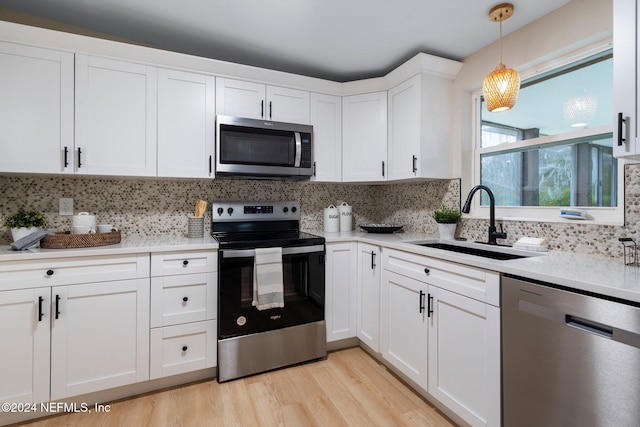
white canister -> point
(331, 219)
(345, 217)
(83, 219)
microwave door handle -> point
(296, 162)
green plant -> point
(446, 215)
(23, 218)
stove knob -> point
(230, 211)
(285, 209)
(220, 210)
(294, 209)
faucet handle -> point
(501, 234)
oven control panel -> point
(255, 211)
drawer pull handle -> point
(184, 348)
(49, 272)
(427, 271)
(185, 262)
(185, 299)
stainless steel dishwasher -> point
(568, 358)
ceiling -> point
(339, 40)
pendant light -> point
(500, 88)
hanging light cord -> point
(500, 38)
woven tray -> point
(65, 240)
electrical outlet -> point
(66, 206)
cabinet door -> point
(368, 298)
(186, 124)
(36, 109)
(287, 105)
(326, 119)
(464, 356)
(626, 51)
(341, 280)
(99, 336)
(364, 137)
(24, 355)
(239, 98)
(403, 325)
(116, 105)
(404, 129)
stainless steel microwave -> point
(263, 149)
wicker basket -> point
(65, 240)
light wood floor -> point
(349, 388)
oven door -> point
(304, 283)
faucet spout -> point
(493, 234)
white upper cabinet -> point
(626, 64)
(36, 110)
(116, 116)
(420, 128)
(364, 137)
(326, 119)
(239, 98)
(186, 124)
(258, 101)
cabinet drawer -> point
(183, 348)
(472, 282)
(183, 262)
(69, 271)
(183, 299)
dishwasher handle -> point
(589, 326)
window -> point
(554, 148)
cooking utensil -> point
(201, 207)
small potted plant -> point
(23, 222)
(447, 219)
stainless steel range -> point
(271, 284)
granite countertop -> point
(601, 275)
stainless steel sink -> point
(502, 253)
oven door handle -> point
(247, 253)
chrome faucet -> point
(493, 234)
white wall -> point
(578, 24)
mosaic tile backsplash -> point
(151, 207)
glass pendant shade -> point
(500, 89)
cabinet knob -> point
(49, 272)
(184, 348)
(185, 262)
(185, 299)
(426, 271)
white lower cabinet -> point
(24, 355)
(403, 341)
(368, 296)
(340, 290)
(440, 327)
(82, 327)
(183, 312)
(99, 336)
(464, 356)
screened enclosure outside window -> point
(554, 148)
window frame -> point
(545, 214)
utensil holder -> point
(195, 226)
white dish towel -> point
(267, 279)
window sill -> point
(550, 220)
